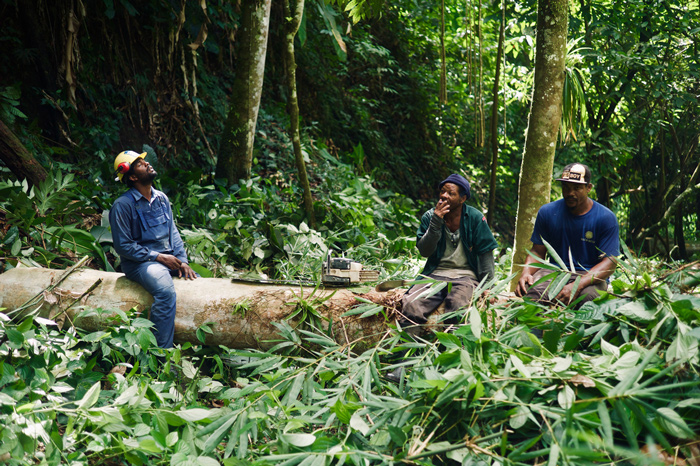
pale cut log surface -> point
(243, 314)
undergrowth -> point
(614, 383)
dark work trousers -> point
(537, 292)
(417, 309)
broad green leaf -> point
(520, 366)
(299, 440)
(636, 310)
(171, 439)
(207, 461)
(359, 424)
(90, 397)
(398, 436)
(566, 397)
(609, 348)
(196, 414)
(188, 369)
(519, 418)
(562, 364)
(682, 348)
(475, 322)
(672, 423)
(449, 340)
(150, 445)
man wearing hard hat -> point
(147, 240)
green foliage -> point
(9, 101)
(488, 391)
(51, 222)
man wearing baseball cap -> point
(147, 241)
(585, 235)
(458, 244)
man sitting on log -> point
(581, 231)
(458, 244)
(147, 240)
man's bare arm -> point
(526, 278)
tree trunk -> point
(443, 58)
(293, 12)
(242, 315)
(494, 121)
(236, 154)
(18, 159)
(543, 124)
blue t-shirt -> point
(590, 236)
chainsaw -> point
(336, 272)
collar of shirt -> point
(138, 196)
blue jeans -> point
(157, 279)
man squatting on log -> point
(578, 225)
(459, 246)
(147, 241)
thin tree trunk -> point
(482, 117)
(443, 58)
(494, 121)
(293, 12)
(18, 159)
(543, 124)
(236, 153)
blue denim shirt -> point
(141, 230)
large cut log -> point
(242, 314)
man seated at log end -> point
(459, 246)
(576, 225)
(148, 242)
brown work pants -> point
(416, 309)
(589, 293)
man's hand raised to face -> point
(442, 208)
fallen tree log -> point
(242, 315)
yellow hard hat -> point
(123, 162)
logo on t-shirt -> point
(588, 237)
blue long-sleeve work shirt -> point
(142, 230)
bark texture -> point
(18, 159)
(236, 154)
(293, 12)
(243, 315)
(543, 124)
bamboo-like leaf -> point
(553, 254)
(606, 425)
(656, 433)
(557, 285)
(554, 455)
(634, 375)
(626, 424)
(217, 436)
